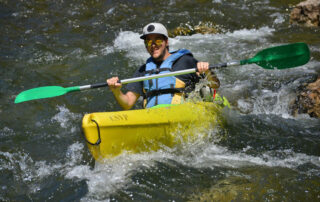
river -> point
(263, 153)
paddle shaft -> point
(279, 57)
(175, 73)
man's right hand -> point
(114, 84)
(126, 101)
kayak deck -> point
(110, 133)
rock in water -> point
(201, 28)
(306, 13)
(308, 100)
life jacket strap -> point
(157, 70)
(163, 91)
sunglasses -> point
(157, 42)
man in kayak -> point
(167, 90)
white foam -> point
(252, 34)
(217, 156)
(245, 106)
(273, 102)
(127, 39)
(41, 57)
(31, 172)
(217, 1)
(130, 43)
(244, 34)
(64, 117)
(74, 153)
(107, 50)
(6, 131)
(113, 174)
(110, 11)
(225, 45)
(278, 18)
(24, 169)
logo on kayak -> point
(119, 117)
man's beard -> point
(161, 56)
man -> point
(167, 90)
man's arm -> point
(126, 101)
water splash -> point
(31, 174)
(217, 156)
(64, 117)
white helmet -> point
(154, 28)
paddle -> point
(279, 57)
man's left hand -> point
(202, 67)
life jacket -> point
(166, 90)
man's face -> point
(156, 45)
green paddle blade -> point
(281, 57)
(43, 92)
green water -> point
(262, 154)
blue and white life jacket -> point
(166, 90)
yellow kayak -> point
(108, 134)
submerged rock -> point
(201, 28)
(308, 99)
(306, 13)
(258, 184)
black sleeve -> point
(137, 87)
(187, 62)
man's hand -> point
(114, 84)
(202, 67)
